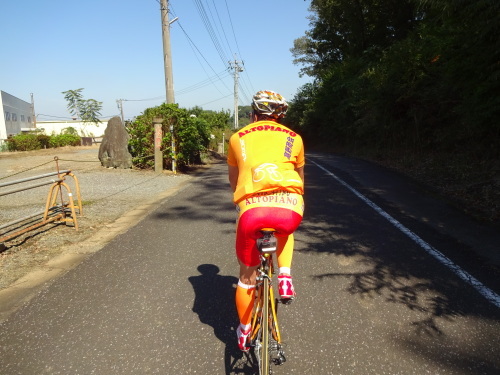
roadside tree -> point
(87, 110)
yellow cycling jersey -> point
(266, 154)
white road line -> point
(486, 292)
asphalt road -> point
(372, 298)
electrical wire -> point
(221, 25)
(237, 45)
(51, 116)
(245, 94)
(202, 84)
(216, 100)
(194, 47)
(242, 83)
(144, 100)
(197, 49)
(214, 32)
(211, 32)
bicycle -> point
(265, 337)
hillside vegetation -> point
(411, 84)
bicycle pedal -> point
(286, 301)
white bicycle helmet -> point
(270, 104)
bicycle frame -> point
(265, 327)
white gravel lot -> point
(107, 194)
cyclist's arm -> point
(233, 176)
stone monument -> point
(113, 152)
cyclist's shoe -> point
(285, 287)
(242, 338)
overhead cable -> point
(216, 100)
(221, 25)
(210, 30)
(237, 45)
(194, 45)
(201, 84)
(144, 100)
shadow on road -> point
(214, 304)
(385, 266)
(211, 200)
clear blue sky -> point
(114, 50)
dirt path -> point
(107, 196)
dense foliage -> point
(36, 141)
(62, 140)
(192, 131)
(409, 81)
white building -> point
(16, 116)
(82, 129)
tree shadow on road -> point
(214, 304)
(210, 200)
(385, 265)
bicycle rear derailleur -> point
(277, 355)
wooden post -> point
(157, 122)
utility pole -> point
(167, 54)
(235, 65)
(33, 110)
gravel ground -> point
(106, 194)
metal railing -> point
(54, 212)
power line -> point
(232, 28)
(197, 49)
(144, 100)
(245, 94)
(210, 30)
(186, 90)
(216, 100)
(211, 19)
(68, 118)
(221, 25)
(237, 45)
(51, 116)
(202, 84)
(193, 46)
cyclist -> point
(266, 173)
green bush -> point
(69, 130)
(192, 135)
(23, 142)
(44, 140)
(62, 140)
(36, 141)
(10, 144)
